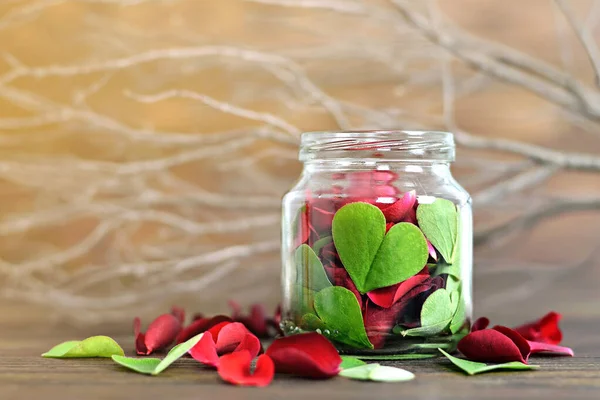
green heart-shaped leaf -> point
(310, 322)
(154, 366)
(373, 258)
(145, 365)
(309, 269)
(339, 310)
(95, 346)
(458, 320)
(473, 368)
(436, 314)
(439, 223)
(351, 362)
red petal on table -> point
(540, 347)
(517, 339)
(216, 329)
(387, 296)
(397, 211)
(161, 333)
(545, 330)
(256, 322)
(197, 316)
(235, 369)
(205, 351)
(276, 321)
(140, 345)
(431, 249)
(479, 324)
(198, 326)
(309, 355)
(235, 337)
(340, 277)
(179, 313)
(490, 345)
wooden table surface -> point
(26, 375)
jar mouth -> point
(400, 145)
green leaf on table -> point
(351, 362)
(473, 368)
(154, 366)
(439, 223)
(436, 314)
(339, 310)
(377, 373)
(146, 365)
(373, 258)
(309, 269)
(95, 346)
(319, 244)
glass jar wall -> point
(377, 243)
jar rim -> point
(402, 145)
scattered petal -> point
(545, 330)
(256, 322)
(205, 351)
(479, 324)
(540, 347)
(490, 345)
(309, 355)
(198, 326)
(224, 338)
(235, 369)
(95, 346)
(160, 333)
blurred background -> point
(145, 144)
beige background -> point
(144, 145)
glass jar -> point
(377, 244)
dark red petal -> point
(236, 309)
(489, 345)
(539, 347)
(379, 321)
(140, 345)
(320, 214)
(545, 330)
(161, 333)
(388, 226)
(258, 320)
(410, 216)
(235, 369)
(205, 351)
(396, 212)
(479, 324)
(198, 326)
(197, 316)
(309, 355)
(179, 313)
(517, 339)
(387, 296)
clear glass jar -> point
(377, 244)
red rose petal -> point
(256, 322)
(479, 324)
(309, 355)
(198, 326)
(379, 321)
(179, 313)
(216, 329)
(539, 347)
(235, 337)
(545, 330)
(235, 369)
(205, 351)
(517, 339)
(161, 333)
(396, 212)
(431, 249)
(410, 216)
(387, 296)
(140, 345)
(490, 345)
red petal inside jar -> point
(387, 296)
